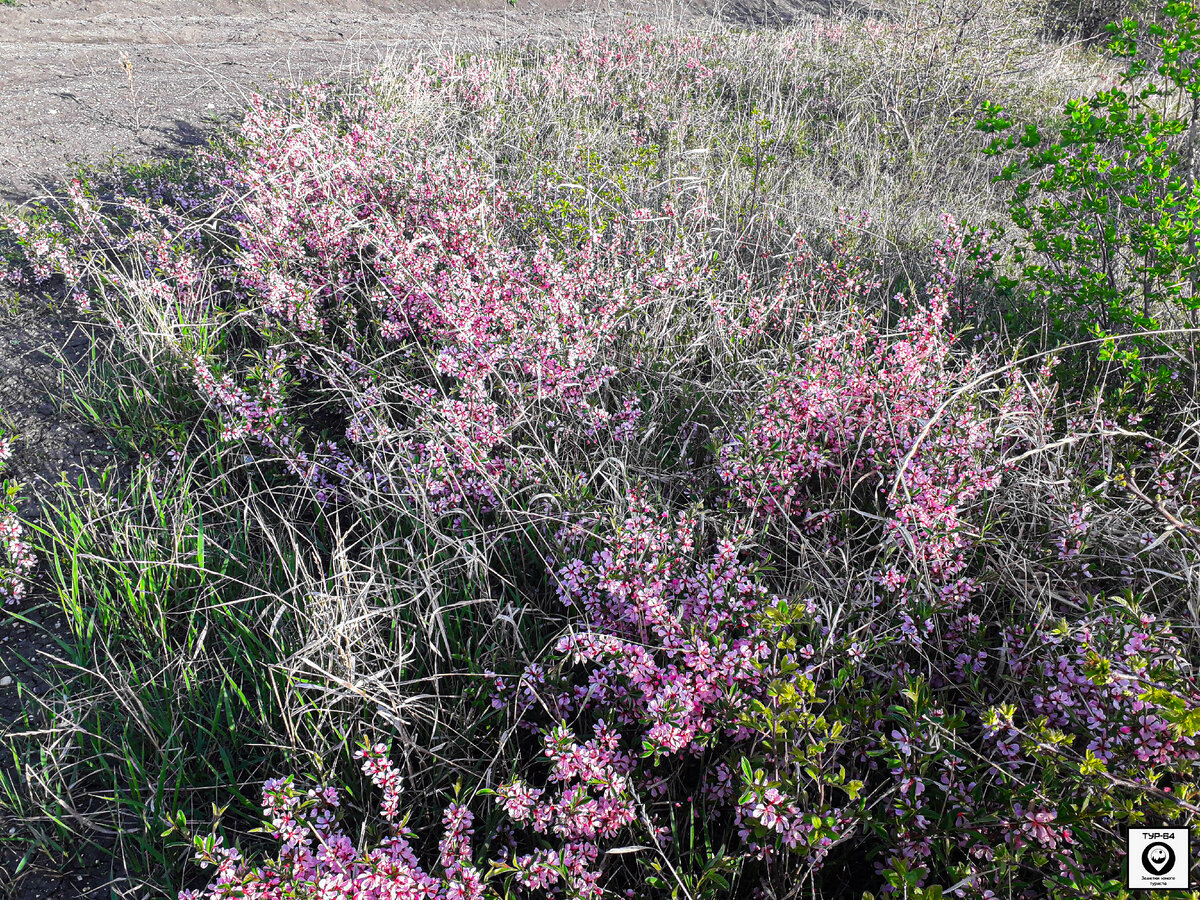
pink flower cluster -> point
(317, 859)
(18, 560)
(893, 417)
(388, 283)
(589, 801)
(674, 652)
(665, 633)
(1094, 681)
(386, 304)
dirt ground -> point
(87, 81)
(80, 79)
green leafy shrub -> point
(1107, 210)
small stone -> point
(6, 681)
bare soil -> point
(97, 81)
(80, 79)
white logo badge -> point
(1158, 858)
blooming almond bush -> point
(890, 417)
(668, 652)
(381, 323)
(317, 859)
(895, 724)
(960, 753)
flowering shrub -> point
(317, 859)
(410, 257)
(377, 306)
(894, 422)
(809, 750)
(715, 690)
(1010, 762)
(671, 654)
(17, 561)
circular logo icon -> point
(1158, 858)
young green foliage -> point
(1108, 207)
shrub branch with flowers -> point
(794, 585)
(16, 555)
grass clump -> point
(541, 424)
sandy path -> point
(81, 79)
